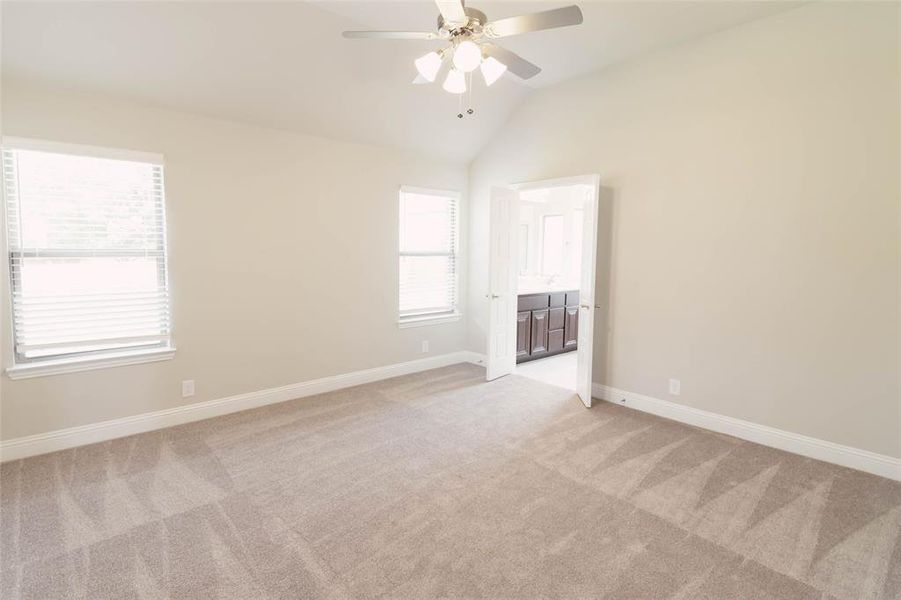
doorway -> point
(542, 280)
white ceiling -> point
(285, 64)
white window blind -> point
(428, 252)
(87, 252)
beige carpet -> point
(441, 485)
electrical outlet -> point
(425, 346)
(675, 387)
(187, 388)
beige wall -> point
(282, 255)
(751, 238)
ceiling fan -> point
(469, 34)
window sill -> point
(424, 320)
(73, 365)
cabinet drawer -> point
(555, 318)
(572, 298)
(558, 299)
(532, 302)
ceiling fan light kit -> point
(492, 69)
(467, 56)
(429, 65)
(455, 82)
(469, 31)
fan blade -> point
(392, 35)
(515, 63)
(549, 19)
(452, 11)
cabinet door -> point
(571, 327)
(555, 340)
(539, 331)
(523, 333)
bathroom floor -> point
(559, 370)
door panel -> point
(523, 333)
(586, 293)
(502, 285)
(539, 331)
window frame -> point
(425, 318)
(19, 366)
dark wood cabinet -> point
(546, 324)
(539, 331)
(555, 318)
(523, 333)
(555, 341)
(571, 327)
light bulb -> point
(467, 56)
(428, 65)
(492, 69)
(455, 82)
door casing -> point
(503, 278)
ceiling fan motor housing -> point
(472, 28)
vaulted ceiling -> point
(285, 64)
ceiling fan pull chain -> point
(470, 111)
(459, 106)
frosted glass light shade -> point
(428, 65)
(455, 82)
(492, 69)
(467, 56)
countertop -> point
(546, 289)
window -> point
(552, 245)
(87, 253)
(428, 255)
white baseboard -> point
(72, 437)
(846, 456)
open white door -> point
(502, 285)
(586, 294)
